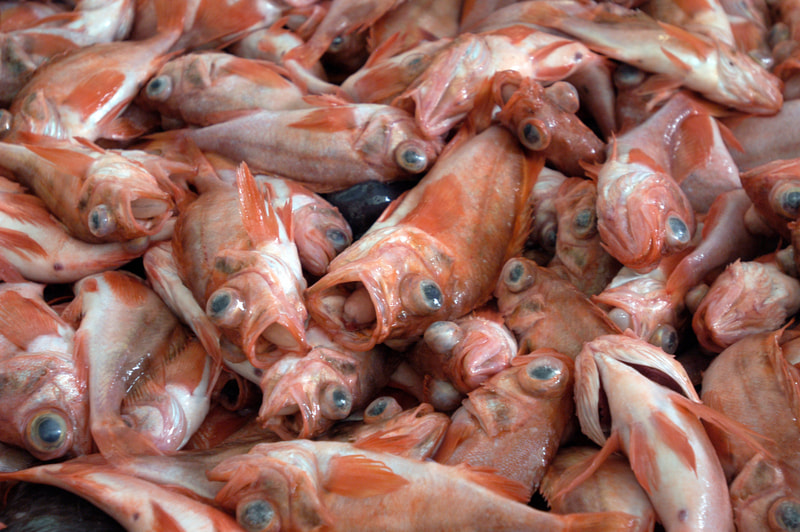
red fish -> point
(416, 265)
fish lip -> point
(342, 283)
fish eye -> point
(516, 276)
(585, 223)
(544, 376)
(421, 296)
(381, 409)
(410, 156)
(628, 76)
(549, 236)
(159, 88)
(666, 337)
(415, 63)
(338, 239)
(336, 402)
(101, 223)
(784, 514)
(677, 232)
(46, 433)
(257, 515)
(534, 134)
(443, 336)
(785, 200)
(336, 44)
(226, 307)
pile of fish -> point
(402, 265)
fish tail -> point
(601, 522)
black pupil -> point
(432, 294)
(336, 237)
(678, 228)
(339, 399)
(156, 85)
(413, 157)
(791, 201)
(584, 219)
(49, 430)
(515, 273)
(220, 303)
(95, 220)
(532, 134)
(543, 373)
(377, 408)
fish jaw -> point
(483, 352)
(642, 214)
(48, 410)
(320, 234)
(445, 92)
(254, 311)
(359, 301)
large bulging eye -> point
(46, 433)
(226, 307)
(159, 88)
(534, 134)
(100, 221)
(382, 408)
(585, 223)
(336, 402)
(784, 514)
(257, 515)
(544, 376)
(411, 157)
(421, 296)
(516, 276)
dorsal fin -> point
(489, 479)
(356, 475)
(259, 223)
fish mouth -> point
(326, 235)
(351, 310)
(484, 355)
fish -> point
(123, 326)
(43, 384)
(464, 352)
(304, 485)
(362, 204)
(83, 93)
(515, 422)
(413, 266)
(243, 269)
(305, 396)
(204, 88)
(100, 196)
(537, 305)
(773, 187)
(354, 143)
(657, 426)
(612, 486)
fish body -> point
(416, 264)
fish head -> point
(318, 390)
(392, 140)
(475, 348)
(746, 83)
(257, 308)
(445, 92)
(774, 189)
(320, 233)
(268, 493)
(120, 200)
(642, 213)
(46, 406)
(179, 78)
(611, 362)
(391, 284)
(765, 496)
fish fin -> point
(170, 17)
(489, 479)
(534, 162)
(697, 137)
(329, 119)
(20, 244)
(70, 161)
(601, 521)
(50, 45)
(675, 438)
(638, 156)
(264, 73)
(22, 320)
(686, 38)
(259, 223)
(122, 128)
(675, 60)
(642, 457)
(93, 92)
(722, 422)
(729, 138)
(380, 443)
(356, 475)
(456, 433)
(387, 49)
(592, 464)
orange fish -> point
(418, 263)
(306, 485)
